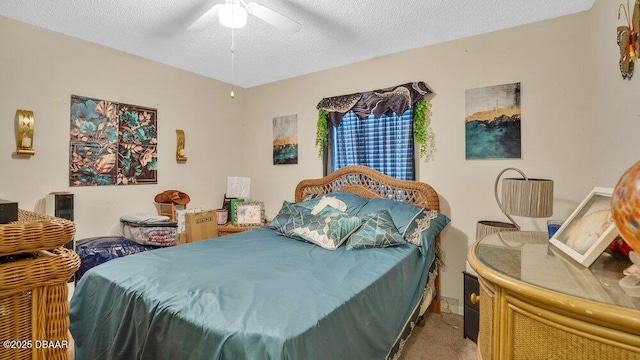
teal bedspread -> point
(251, 295)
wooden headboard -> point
(367, 182)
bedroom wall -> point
(549, 58)
(40, 70)
(615, 103)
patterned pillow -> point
(401, 213)
(329, 201)
(377, 230)
(328, 229)
(354, 202)
(426, 224)
(291, 215)
(309, 196)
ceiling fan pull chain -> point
(232, 58)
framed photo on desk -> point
(589, 229)
(248, 215)
(233, 209)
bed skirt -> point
(416, 315)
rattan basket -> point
(34, 307)
(34, 232)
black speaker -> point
(60, 204)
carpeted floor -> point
(440, 338)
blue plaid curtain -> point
(384, 143)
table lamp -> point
(526, 197)
(238, 187)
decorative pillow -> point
(354, 202)
(401, 213)
(329, 201)
(426, 224)
(291, 215)
(377, 230)
(328, 229)
(309, 196)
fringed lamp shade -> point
(528, 198)
(525, 196)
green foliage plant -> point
(422, 132)
(322, 131)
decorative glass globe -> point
(625, 206)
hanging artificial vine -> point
(422, 132)
(322, 131)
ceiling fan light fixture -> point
(232, 15)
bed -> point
(262, 295)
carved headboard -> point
(367, 182)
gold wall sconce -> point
(180, 154)
(25, 123)
(628, 39)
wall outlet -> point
(450, 305)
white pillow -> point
(329, 201)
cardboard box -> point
(200, 225)
(8, 211)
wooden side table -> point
(229, 228)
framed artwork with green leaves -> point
(112, 143)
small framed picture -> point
(248, 215)
(589, 229)
(233, 206)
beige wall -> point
(616, 102)
(40, 70)
(548, 58)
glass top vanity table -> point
(537, 303)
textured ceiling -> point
(333, 32)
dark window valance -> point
(378, 102)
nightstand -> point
(229, 228)
(471, 306)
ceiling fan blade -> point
(273, 18)
(207, 19)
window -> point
(374, 128)
(384, 143)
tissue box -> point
(8, 211)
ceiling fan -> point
(233, 14)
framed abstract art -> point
(492, 122)
(112, 143)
